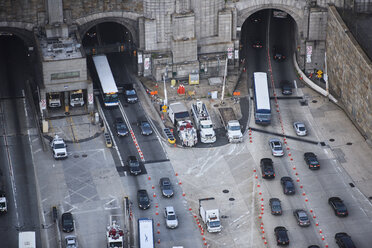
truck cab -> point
(54, 100)
(234, 132)
(76, 98)
(207, 134)
(58, 146)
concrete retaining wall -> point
(349, 73)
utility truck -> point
(180, 118)
(3, 203)
(231, 124)
(203, 122)
(114, 234)
(58, 146)
(76, 98)
(210, 214)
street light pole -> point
(165, 91)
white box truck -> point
(231, 124)
(210, 214)
(26, 240)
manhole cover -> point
(231, 199)
(352, 185)
(322, 143)
(314, 101)
(349, 143)
(331, 140)
(84, 155)
(225, 191)
(216, 105)
(76, 156)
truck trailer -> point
(203, 122)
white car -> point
(58, 146)
(300, 128)
(71, 241)
(276, 147)
(171, 219)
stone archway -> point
(128, 20)
(24, 34)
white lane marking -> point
(295, 83)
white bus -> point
(108, 86)
(26, 240)
(261, 98)
(145, 233)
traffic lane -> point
(187, 233)
(118, 64)
(23, 206)
(8, 234)
(150, 145)
(330, 180)
(298, 235)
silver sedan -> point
(300, 128)
(276, 147)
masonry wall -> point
(349, 72)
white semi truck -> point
(203, 122)
(231, 124)
(210, 214)
(180, 117)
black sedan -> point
(301, 217)
(267, 168)
(121, 127)
(145, 127)
(166, 187)
(288, 186)
(134, 165)
(338, 206)
(311, 160)
(281, 235)
(275, 206)
(143, 199)
(343, 240)
(67, 222)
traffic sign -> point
(319, 72)
(164, 107)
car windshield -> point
(130, 92)
(116, 244)
(59, 146)
(269, 169)
(145, 124)
(301, 128)
(340, 206)
(144, 198)
(172, 217)
(206, 126)
(214, 224)
(302, 216)
(234, 128)
(121, 126)
(275, 205)
(67, 222)
(289, 185)
(133, 163)
(277, 148)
